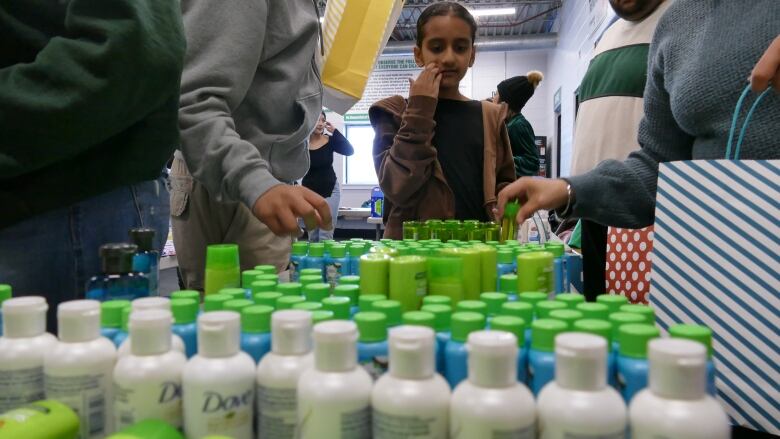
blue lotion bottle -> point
(316, 257)
(185, 314)
(337, 265)
(456, 366)
(604, 329)
(442, 318)
(703, 335)
(256, 330)
(123, 332)
(632, 364)
(372, 342)
(541, 356)
(504, 266)
(516, 326)
(147, 258)
(5, 294)
(111, 317)
(297, 259)
(117, 281)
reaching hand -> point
(427, 83)
(534, 194)
(767, 69)
(282, 205)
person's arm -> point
(524, 150)
(340, 144)
(89, 83)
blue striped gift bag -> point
(716, 262)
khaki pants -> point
(199, 220)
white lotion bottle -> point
(22, 347)
(78, 371)
(491, 402)
(334, 397)
(147, 303)
(147, 382)
(411, 400)
(218, 383)
(279, 371)
(676, 404)
(579, 403)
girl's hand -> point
(329, 127)
(427, 84)
(534, 194)
(767, 70)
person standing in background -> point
(516, 92)
(323, 142)
(89, 94)
(610, 108)
(250, 96)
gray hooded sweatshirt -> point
(250, 94)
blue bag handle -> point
(745, 124)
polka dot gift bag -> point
(628, 262)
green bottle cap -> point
(290, 289)
(442, 315)
(186, 294)
(317, 249)
(266, 269)
(339, 305)
(235, 293)
(556, 248)
(248, 276)
(472, 306)
(391, 309)
(593, 310)
(350, 291)
(237, 305)
(372, 326)
(570, 299)
(349, 280)
(287, 302)
(111, 313)
(633, 339)
(321, 315)
(511, 209)
(310, 279)
(267, 298)
(316, 292)
(543, 309)
(512, 243)
(464, 323)
(566, 315)
(513, 325)
(699, 333)
(494, 244)
(215, 302)
(420, 318)
(261, 286)
(329, 243)
(366, 301)
(437, 300)
(543, 332)
(300, 248)
(5, 292)
(507, 283)
(523, 310)
(308, 306)
(338, 251)
(623, 318)
(613, 301)
(268, 277)
(505, 256)
(645, 311)
(184, 311)
(494, 302)
(222, 256)
(597, 327)
(311, 272)
(256, 318)
(149, 429)
(532, 297)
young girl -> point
(439, 154)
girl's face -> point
(447, 43)
(318, 129)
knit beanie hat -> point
(518, 90)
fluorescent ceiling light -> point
(492, 11)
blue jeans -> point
(319, 235)
(54, 254)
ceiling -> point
(532, 17)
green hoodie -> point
(89, 93)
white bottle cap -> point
(151, 303)
(150, 332)
(678, 368)
(492, 358)
(291, 332)
(580, 361)
(79, 320)
(335, 348)
(412, 354)
(219, 334)
(24, 316)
